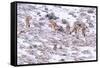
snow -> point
(40, 43)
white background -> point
(5, 34)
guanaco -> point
(79, 26)
(27, 21)
(27, 24)
(53, 25)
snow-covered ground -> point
(47, 33)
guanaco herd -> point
(77, 27)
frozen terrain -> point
(48, 34)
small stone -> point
(72, 13)
(41, 18)
(91, 25)
(64, 54)
(74, 49)
(60, 28)
(40, 23)
(30, 47)
(35, 46)
(64, 21)
(62, 60)
(86, 52)
(38, 13)
(83, 14)
(23, 56)
(90, 11)
(60, 47)
(46, 8)
(22, 47)
(51, 16)
(55, 47)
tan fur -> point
(79, 27)
(53, 25)
(27, 21)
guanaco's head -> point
(52, 21)
(28, 18)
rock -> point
(64, 21)
(91, 25)
(62, 59)
(46, 8)
(38, 13)
(41, 23)
(90, 11)
(72, 13)
(86, 52)
(51, 16)
(64, 54)
(83, 14)
(60, 28)
(42, 18)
